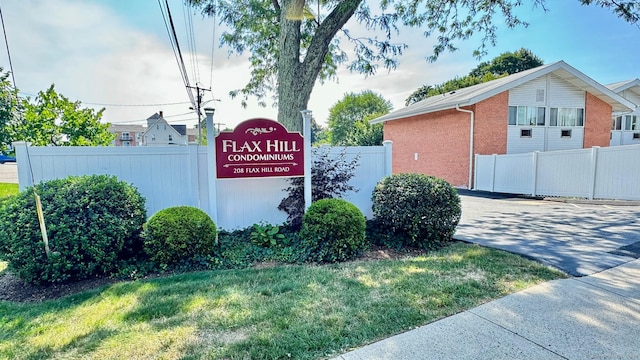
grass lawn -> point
(298, 312)
(8, 189)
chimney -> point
(160, 113)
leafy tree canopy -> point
(319, 134)
(508, 63)
(293, 43)
(504, 64)
(10, 108)
(348, 119)
(49, 119)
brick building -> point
(127, 135)
(551, 107)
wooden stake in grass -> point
(43, 226)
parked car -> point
(5, 158)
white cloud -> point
(94, 54)
(119, 52)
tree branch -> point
(327, 30)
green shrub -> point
(333, 230)
(93, 223)
(330, 176)
(377, 234)
(177, 234)
(421, 210)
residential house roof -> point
(474, 94)
(181, 129)
(125, 128)
(158, 119)
(630, 85)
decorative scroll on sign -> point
(259, 148)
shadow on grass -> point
(302, 312)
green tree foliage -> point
(10, 108)
(293, 43)
(504, 64)
(319, 134)
(49, 119)
(348, 119)
(52, 119)
(448, 86)
(508, 63)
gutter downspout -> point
(470, 142)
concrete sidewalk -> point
(592, 317)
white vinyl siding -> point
(517, 144)
(555, 140)
(564, 95)
(527, 94)
(631, 96)
(563, 107)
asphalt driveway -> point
(580, 239)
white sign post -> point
(306, 132)
(211, 166)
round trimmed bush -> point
(333, 230)
(179, 233)
(422, 210)
(92, 223)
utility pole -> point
(199, 92)
(218, 125)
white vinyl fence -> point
(177, 175)
(596, 173)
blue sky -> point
(118, 52)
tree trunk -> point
(295, 78)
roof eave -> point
(443, 107)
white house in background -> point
(161, 133)
(625, 129)
(127, 135)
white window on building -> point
(153, 137)
(170, 138)
(527, 115)
(126, 143)
(566, 117)
(617, 123)
(631, 122)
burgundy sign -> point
(259, 148)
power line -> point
(124, 122)
(13, 77)
(191, 42)
(124, 105)
(137, 105)
(213, 42)
(173, 38)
